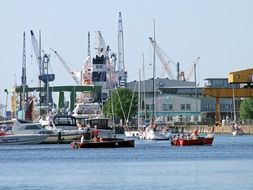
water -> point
(226, 165)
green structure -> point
(61, 89)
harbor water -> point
(226, 165)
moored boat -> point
(104, 143)
(22, 132)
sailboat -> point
(153, 132)
(131, 132)
(236, 130)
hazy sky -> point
(220, 32)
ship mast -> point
(23, 78)
(154, 76)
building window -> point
(165, 107)
(170, 106)
(182, 106)
(169, 118)
(188, 106)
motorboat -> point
(22, 132)
(187, 141)
(102, 124)
(87, 110)
(104, 143)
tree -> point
(121, 97)
(246, 109)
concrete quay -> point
(248, 129)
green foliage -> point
(246, 109)
(121, 96)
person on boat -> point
(195, 134)
(82, 138)
(95, 132)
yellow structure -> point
(240, 77)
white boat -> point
(87, 110)
(152, 133)
(63, 128)
(89, 115)
(131, 133)
(22, 133)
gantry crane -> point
(165, 60)
(66, 67)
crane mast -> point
(121, 71)
(121, 65)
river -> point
(226, 165)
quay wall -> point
(207, 129)
(248, 129)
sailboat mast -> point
(154, 75)
(144, 95)
(139, 98)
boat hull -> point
(22, 139)
(193, 142)
(106, 143)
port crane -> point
(44, 76)
(72, 74)
(189, 75)
(165, 60)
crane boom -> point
(66, 67)
(37, 50)
(162, 56)
(192, 69)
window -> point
(182, 106)
(169, 118)
(170, 106)
(165, 107)
(188, 106)
(32, 127)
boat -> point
(131, 133)
(154, 132)
(22, 132)
(104, 143)
(87, 110)
(183, 141)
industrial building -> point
(179, 101)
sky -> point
(220, 32)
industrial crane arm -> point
(66, 67)
(37, 51)
(162, 56)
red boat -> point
(192, 142)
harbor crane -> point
(44, 76)
(165, 60)
(72, 74)
(187, 77)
